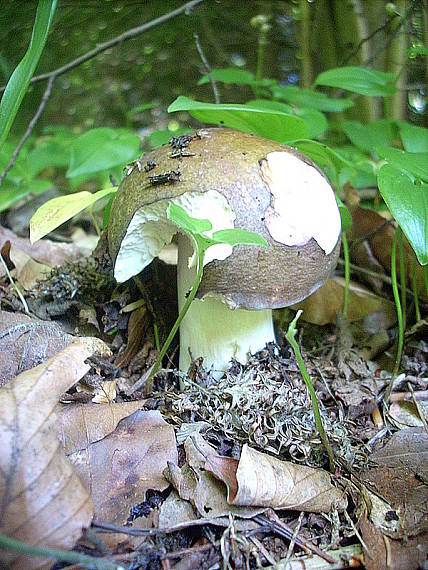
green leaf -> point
(229, 75)
(315, 121)
(272, 124)
(367, 137)
(408, 203)
(52, 151)
(101, 149)
(414, 163)
(359, 80)
(20, 79)
(415, 139)
(179, 216)
(236, 236)
(323, 156)
(311, 99)
(59, 210)
(12, 193)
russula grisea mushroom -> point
(234, 179)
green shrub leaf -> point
(101, 149)
(59, 210)
(408, 203)
(359, 80)
(273, 124)
(415, 139)
(414, 163)
(18, 82)
(310, 98)
(367, 137)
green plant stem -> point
(94, 220)
(305, 43)
(397, 302)
(317, 415)
(415, 290)
(402, 262)
(347, 274)
(7, 543)
(425, 272)
(173, 332)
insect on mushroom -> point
(237, 180)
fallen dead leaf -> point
(323, 306)
(120, 467)
(44, 251)
(27, 342)
(43, 499)
(258, 479)
(204, 491)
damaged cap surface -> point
(255, 177)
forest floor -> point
(199, 472)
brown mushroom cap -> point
(229, 162)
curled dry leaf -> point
(258, 479)
(43, 501)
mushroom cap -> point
(237, 165)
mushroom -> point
(234, 179)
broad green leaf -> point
(59, 210)
(232, 75)
(359, 80)
(323, 156)
(11, 194)
(415, 139)
(53, 151)
(414, 163)
(18, 82)
(408, 203)
(158, 138)
(367, 137)
(315, 121)
(140, 108)
(345, 215)
(229, 75)
(311, 99)
(236, 236)
(179, 216)
(417, 50)
(272, 124)
(101, 149)
(361, 172)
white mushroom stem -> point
(213, 330)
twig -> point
(129, 34)
(12, 282)
(207, 67)
(30, 128)
(283, 530)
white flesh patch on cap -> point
(303, 205)
(150, 230)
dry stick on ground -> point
(30, 128)
(207, 67)
(129, 34)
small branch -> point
(30, 128)
(207, 67)
(129, 34)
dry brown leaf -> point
(79, 425)
(137, 326)
(323, 306)
(119, 468)
(27, 270)
(258, 479)
(195, 484)
(44, 251)
(43, 501)
(371, 238)
(27, 342)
